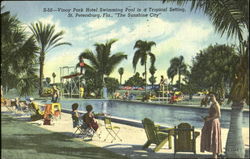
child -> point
(75, 115)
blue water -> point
(165, 115)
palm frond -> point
(152, 58)
(87, 54)
(121, 70)
(113, 61)
(136, 58)
(138, 44)
(59, 44)
(143, 58)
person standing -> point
(1, 92)
(211, 131)
(162, 83)
(205, 101)
(81, 91)
(55, 94)
(162, 86)
(82, 64)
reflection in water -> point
(165, 115)
(104, 106)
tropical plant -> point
(142, 53)
(102, 62)
(121, 71)
(190, 86)
(177, 67)
(135, 81)
(54, 76)
(112, 84)
(152, 80)
(152, 71)
(239, 95)
(46, 39)
(18, 56)
(232, 18)
(213, 69)
(48, 80)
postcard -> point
(125, 79)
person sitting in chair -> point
(75, 115)
(89, 118)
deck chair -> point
(8, 104)
(112, 130)
(56, 109)
(37, 114)
(156, 135)
(184, 138)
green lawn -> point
(21, 140)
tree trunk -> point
(120, 80)
(152, 83)
(41, 60)
(179, 79)
(146, 77)
(235, 144)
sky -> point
(175, 30)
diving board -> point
(71, 76)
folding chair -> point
(80, 128)
(112, 130)
(85, 131)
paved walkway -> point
(132, 140)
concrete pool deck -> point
(133, 139)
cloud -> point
(66, 57)
(145, 29)
(100, 24)
(68, 35)
(187, 40)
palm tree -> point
(231, 17)
(152, 71)
(54, 76)
(46, 39)
(177, 67)
(18, 52)
(121, 71)
(48, 80)
(142, 53)
(101, 62)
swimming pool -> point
(168, 115)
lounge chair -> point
(37, 113)
(156, 135)
(8, 104)
(184, 138)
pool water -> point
(162, 114)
